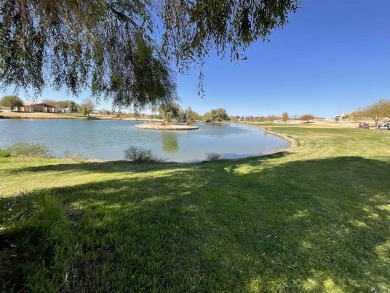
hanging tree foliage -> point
(111, 46)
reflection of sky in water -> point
(108, 139)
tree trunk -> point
(376, 120)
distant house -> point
(341, 117)
(5, 109)
(39, 107)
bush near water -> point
(30, 150)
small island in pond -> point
(162, 126)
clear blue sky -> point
(333, 57)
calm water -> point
(104, 139)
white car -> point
(385, 126)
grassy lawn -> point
(315, 218)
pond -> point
(107, 139)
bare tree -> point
(377, 111)
(86, 107)
(306, 117)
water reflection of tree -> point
(169, 142)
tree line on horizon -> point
(168, 112)
(272, 118)
(63, 106)
(172, 111)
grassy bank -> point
(315, 218)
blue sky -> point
(333, 57)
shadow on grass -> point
(302, 226)
(122, 166)
(101, 167)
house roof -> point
(39, 105)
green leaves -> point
(169, 111)
(11, 101)
(226, 25)
(112, 49)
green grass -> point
(315, 218)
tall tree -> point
(62, 106)
(72, 106)
(191, 116)
(377, 111)
(169, 111)
(216, 115)
(86, 107)
(12, 102)
(285, 117)
(219, 115)
(111, 48)
(208, 117)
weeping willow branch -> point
(110, 47)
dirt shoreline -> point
(285, 137)
(157, 126)
(49, 116)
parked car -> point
(364, 125)
(384, 126)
